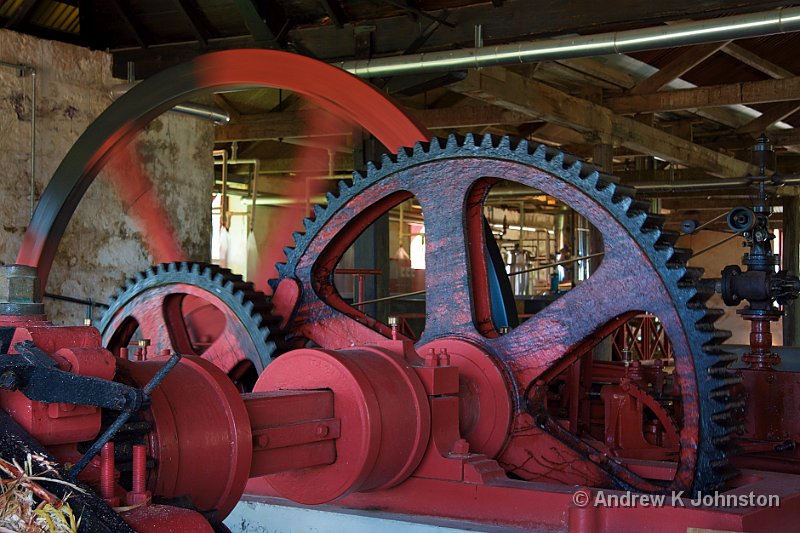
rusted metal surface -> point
(449, 179)
(195, 309)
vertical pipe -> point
(224, 214)
(256, 170)
(33, 138)
(790, 257)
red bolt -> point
(322, 431)
(430, 358)
(263, 441)
(139, 468)
(460, 447)
(107, 471)
(444, 357)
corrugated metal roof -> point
(57, 16)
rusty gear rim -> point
(152, 301)
(456, 167)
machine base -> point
(508, 505)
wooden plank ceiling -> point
(682, 113)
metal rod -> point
(223, 219)
(123, 417)
(33, 139)
(709, 184)
(704, 224)
(74, 300)
(540, 267)
(707, 248)
(557, 263)
(763, 23)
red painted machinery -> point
(304, 397)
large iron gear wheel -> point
(195, 309)
(641, 271)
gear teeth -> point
(453, 142)
(680, 255)
(716, 384)
(557, 161)
(592, 179)
(388, 159)
(420, 149)
(540, 152)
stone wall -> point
(102, 246)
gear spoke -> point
(448, 300)
(556, 330)
(640, 271)
(194, 308)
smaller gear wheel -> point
(195, 309)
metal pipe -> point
(714, 184)
(680, 34)
(33, 138)
(224, 212)
(214, 114)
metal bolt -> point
(107, 471)
(394, 323)
(322, 430)
(460, 447)
(9, 380)
(263, 441)
(444, 357)
(139, 468)
(430, 358)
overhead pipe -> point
(709, 184)
(782, 20)
(216, 115)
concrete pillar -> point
(790, 260)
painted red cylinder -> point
(201, 439)
(384, 413)
(163, 518)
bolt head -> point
(19, 284)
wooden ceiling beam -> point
(132, 23)
(768, 118)
(752, 92)
(686, 61)
(194, 19)
(268, 27)
(505, 89)
(21, 15)
(755, 61)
